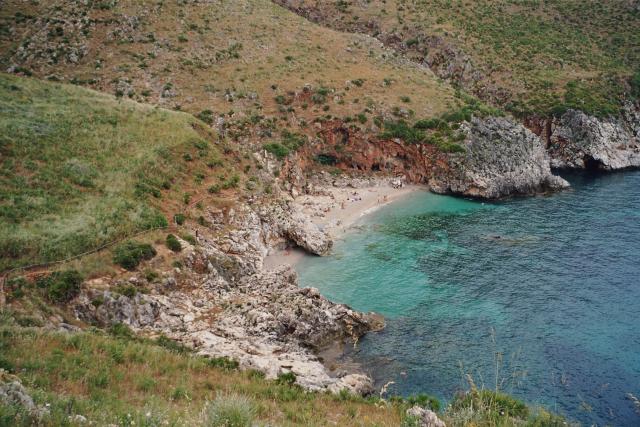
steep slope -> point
(545, 62)
(530, 56)
(81, 168)
(210, 55)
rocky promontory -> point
(577, 140)
(501, 158)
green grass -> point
(116, 378)
(79, 169)
(548, 55)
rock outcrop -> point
(286, 221)
(579, 141)
(12, 392)
(502, 158)
(425, 417)
(222, 304)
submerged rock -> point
(502, 158)
(579, 141)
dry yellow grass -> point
(211, 52)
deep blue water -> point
(547, 289)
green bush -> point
(277, 149)
(61, 286)
(428, 124)
(223, 363)
(130, 254)
(206, 116)
(402, 130)
(121, 330)
(179, 218)
(288, 378)
(15, 287)
(493, 405)
(326, 159)
(172, 345)
(230, 411)
(173, 243)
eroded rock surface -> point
(579, 141)
(502, 158)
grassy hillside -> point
(227, 57)
(115, 379)
(79, 168)
(547, 54)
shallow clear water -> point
(546, 288)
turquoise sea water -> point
(547, 289)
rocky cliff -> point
(502, 158)
(576, 140)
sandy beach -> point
(338, 210)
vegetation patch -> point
(79, 169)
(130, 254)
(61, 286)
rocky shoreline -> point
(222, 303)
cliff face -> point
(579, 141)
(502, 158)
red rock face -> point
(348, 148)
(541, 126)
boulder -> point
(425, 417)
(357, 384)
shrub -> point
(62, 286)
(173, 243)
(288, 378)
(425, 401)
(223, 363)
(232, 182)
(277, 149)
(121, 330)
(179, 218)
(326, 159)
(129, 291)
(230, 411)
(15, 288)
(494, 405)
(431, 124)
(172, 345)
(402, 130)
(206, 116)
(130, 254)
